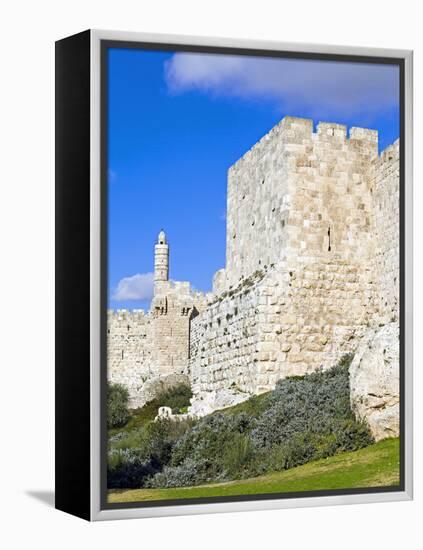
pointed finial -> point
(162, 237)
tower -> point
(161, 259)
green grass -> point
(253, 406)
(139, 417)
(175, 397)
(374, 466)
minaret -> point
(161, 259)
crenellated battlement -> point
(288, 191)
(125, 314)
(299, 131)
(391, 153)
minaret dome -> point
(162, 237)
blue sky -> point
(176, 124)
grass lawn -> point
(373, 466)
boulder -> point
(156, 385)
(165, 413)
(374, 381)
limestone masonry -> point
(312, 269)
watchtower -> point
(161, 259)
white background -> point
(28, 31)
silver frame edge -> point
(95, 352)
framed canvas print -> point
(233, 275)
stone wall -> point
(276, 323)
(294, 187)
(316, 215)
(386, 218)
(173, 307)
(129, 350)
(224, 342)
(312, 267)
(147, 352)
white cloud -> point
(137, 287)
(326, 86)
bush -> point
(117, 405)
(161, 437)
(127, 440)
(238, 455)
(309, 418)
(137, 455)
(254, 406)
(318, 404)
(188, 473)
(177, 398)
(126, 469)
(174, 398)
(216, 448)
(303, 419)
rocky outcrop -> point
(374, 381)
(165, 413)
(206, 402)
(154, 386)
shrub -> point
(137, 455)
(117, 405)
(177, 398)
(311, 417)
(126, 469)
(238, 455)
(127, 440)
(161, 437)
(188, 473)
(174, 397)
(303, 419)
(215, 448)
(254, 406)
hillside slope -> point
(374, 466)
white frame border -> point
(95, 353)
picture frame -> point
(82, 269)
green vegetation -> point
(254, 406)
(139, 449)
(303, 419)
(375, 466)
(117, 405)
(177, 398)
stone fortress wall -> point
(148, 351)
(312, 264)
(312, 257)
(129, 347)
(385, 179)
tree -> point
(117, 405)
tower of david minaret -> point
(147, 350)
(172, 308)
(161, 260)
